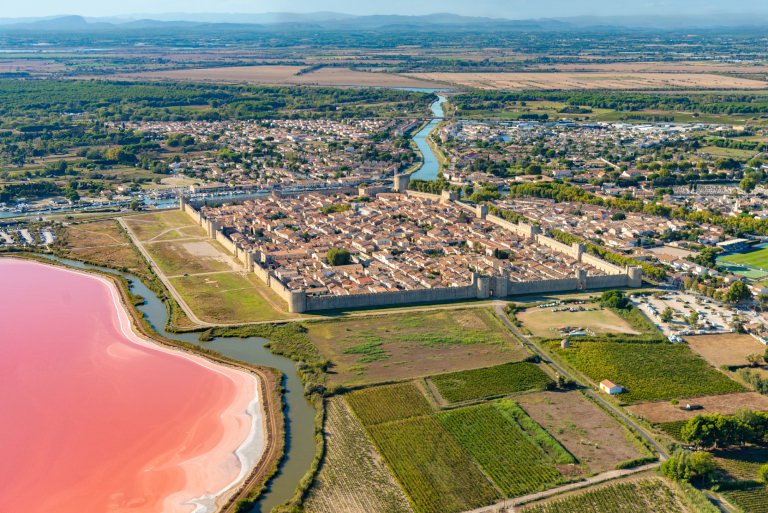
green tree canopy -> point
(338, 256)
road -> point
(617, 411)
(525, 499)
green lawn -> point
(756, 258)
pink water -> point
(94, 419)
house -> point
(609, 387)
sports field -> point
(757, 258)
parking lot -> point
(713, 317)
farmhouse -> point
(609, 387)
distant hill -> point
(346, 22)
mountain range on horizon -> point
(341, 21)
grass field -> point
(543, 322)
(203, 273)
(353, 477)
(651, 495)
(412, 344)
(490, 381)
(649, 372)
(502, 450)
(755, 258)
(388, 403)
(230, 297)
(101, 242)
(740, 270)
(435, 471)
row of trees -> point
(719, 431)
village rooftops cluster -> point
(296, 154)
(397, 242)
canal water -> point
(430, 167)
(299, 414)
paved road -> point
(662, 453)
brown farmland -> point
(594, 80)
(726, 404)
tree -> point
(689, 466)
(666, 315)
(763, 474)
(619, 216)
(754, 359)
(134, 205)
(693, 319)
(338, 256)
(748, 184)
(738, 292)
(614, 299)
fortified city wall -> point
(481, 287)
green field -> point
(502, 450)
(491, 381)
(406, 345)
(435, 471)
(647, 495)
(230, 297)
(388, 403)
(648, 372)
(672, 428)
(756, 258)
(740, 270)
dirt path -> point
(618, 412)
(600, 478)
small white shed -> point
(609, 387)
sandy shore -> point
(241, 446)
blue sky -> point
(515, 9)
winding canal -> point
(430, 166)
(299, 414)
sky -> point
(513, 9)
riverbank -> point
(258, 455)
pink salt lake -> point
(95, 419)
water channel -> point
(299, 414)
(430, 167)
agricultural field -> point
(504, 452)
(491, 381)
(543, 322)
(750, 500)
(591, 80)
(741, 463)
(281, 75)
(388, 403)
(642, 495)
(592, 436)
(756, 258)
(672, 429)
(352, 477)
(648, 372)
(405, 345)
(725, 349)
(725, 404)
(435, 471)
